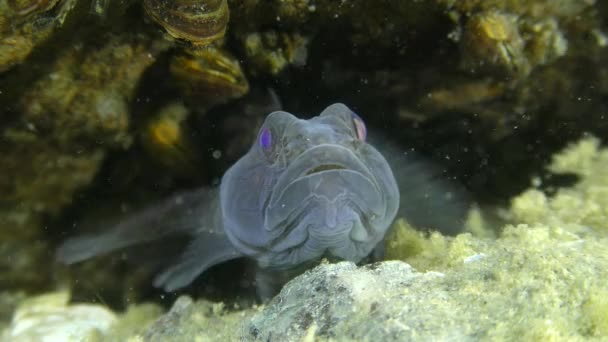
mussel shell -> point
(197, 21)
(210, 75)
(25, 7)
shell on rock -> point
(50, 317)
(196, 21)
(210, 76)
(25, 7)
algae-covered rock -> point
(133, 323)
(583, 206)
(506, 44)
(532, 283)
(26, 24)
(65, 123)
(197, 321)
(50, 318)
(271, 52)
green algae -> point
(50, 316)
(585, 205)
(595, 313)
(546, 272)
(198, 321)
(133, 322)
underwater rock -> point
(64, 123)
(198, 321)
(85, 96)
(534, 282)
(508, 45)
(537, 8)
(8, 303)
(50, 318)
(199, 22)
(26, 24)
(582, 207)
(271, 52)
(493, 40)
(531, 283)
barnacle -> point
(492, 40)
(210, 75)
(199, 22)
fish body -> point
(305, 189)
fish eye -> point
(360, 128)
(265, 139)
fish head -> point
(307, 189)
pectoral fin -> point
(183, 214)
(202, 253)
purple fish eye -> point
(359, 127)
(265, 138)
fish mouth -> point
(322, 158)
(325, 167)
(323, 172)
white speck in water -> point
(474, 257)
(30, 126)
(217, 154)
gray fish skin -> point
(306, 189)
(318, 190)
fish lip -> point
(339, 158)
(323, 168)
(322, 155)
